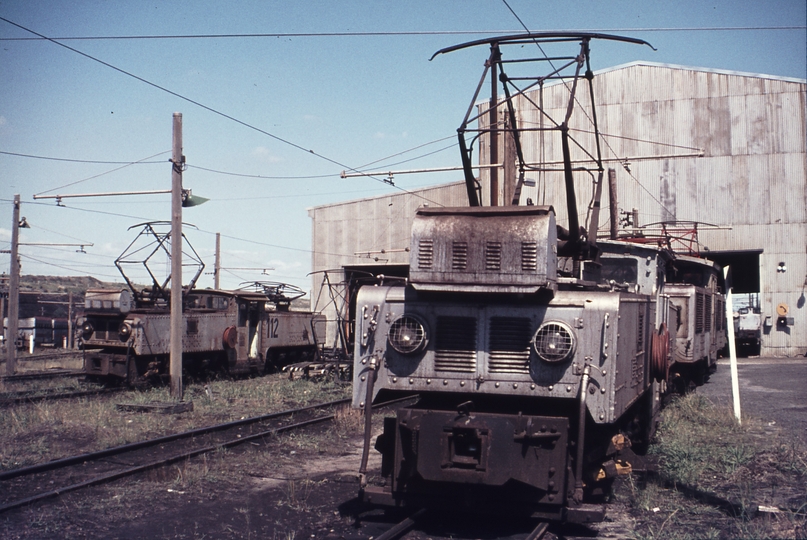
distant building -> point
(724, 149)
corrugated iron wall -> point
(354, 233)
(752, 175)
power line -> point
(102, 174)
(207, 108)
(394, 34)
(140, 162)
(262, 177)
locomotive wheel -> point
(660, 354)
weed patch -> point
(709, 457)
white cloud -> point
(263, 154)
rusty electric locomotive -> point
(125, 334)
(540, 355)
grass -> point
(701, 446)
(37, 432)
(697, 437)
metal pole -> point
(13, 292)
(735, 378)
(493, 121)
(176, 260)
(217, 265)
(70, 320)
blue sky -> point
(351, 99)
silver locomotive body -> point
(233, 331)
(700, 330)
(526, 378)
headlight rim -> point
(87, 330)
(125, 331)
(569, 342)
(422, 342)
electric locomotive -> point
(231, 332)
(540, 354)
(126, 334)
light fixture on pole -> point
(179, 198)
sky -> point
(277, 99)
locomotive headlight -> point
(554, 342)
(87, 330)
(407, 335)
(125, 331)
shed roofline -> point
(694, 68)
(416, 191)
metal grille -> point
(493, 256)
(708, 315)
(553, 342)
(455, 345)
(529, 256)
(459, 255)
(425, 253)
(699, 305)
(407, 335)
(509, 345)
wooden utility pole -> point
(178, 162)
(612, 203)
(217, 263)
(70, 320)
(13, 292)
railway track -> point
(34, 375)
(26, 485)
(16, 398)
(435, 524)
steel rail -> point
(159, 463)
(65, 395)
(173, 459)
(73, 460)
(403, 527)
(42, 375)
(538, 532)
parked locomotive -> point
(540, 355)
(125, 334)
(225, 331)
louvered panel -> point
(455, 345)
(426, 253)
(459, 255)
(493, 256)
(699, 305)
(509, 345)
(529, 256)
(455, 361)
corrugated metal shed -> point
(695, 144)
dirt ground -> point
(303, 485)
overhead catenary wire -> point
(403, 33)
(207, 108)
(89, 161)
(102, 174)
(605, 141)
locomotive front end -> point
(497, 347)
